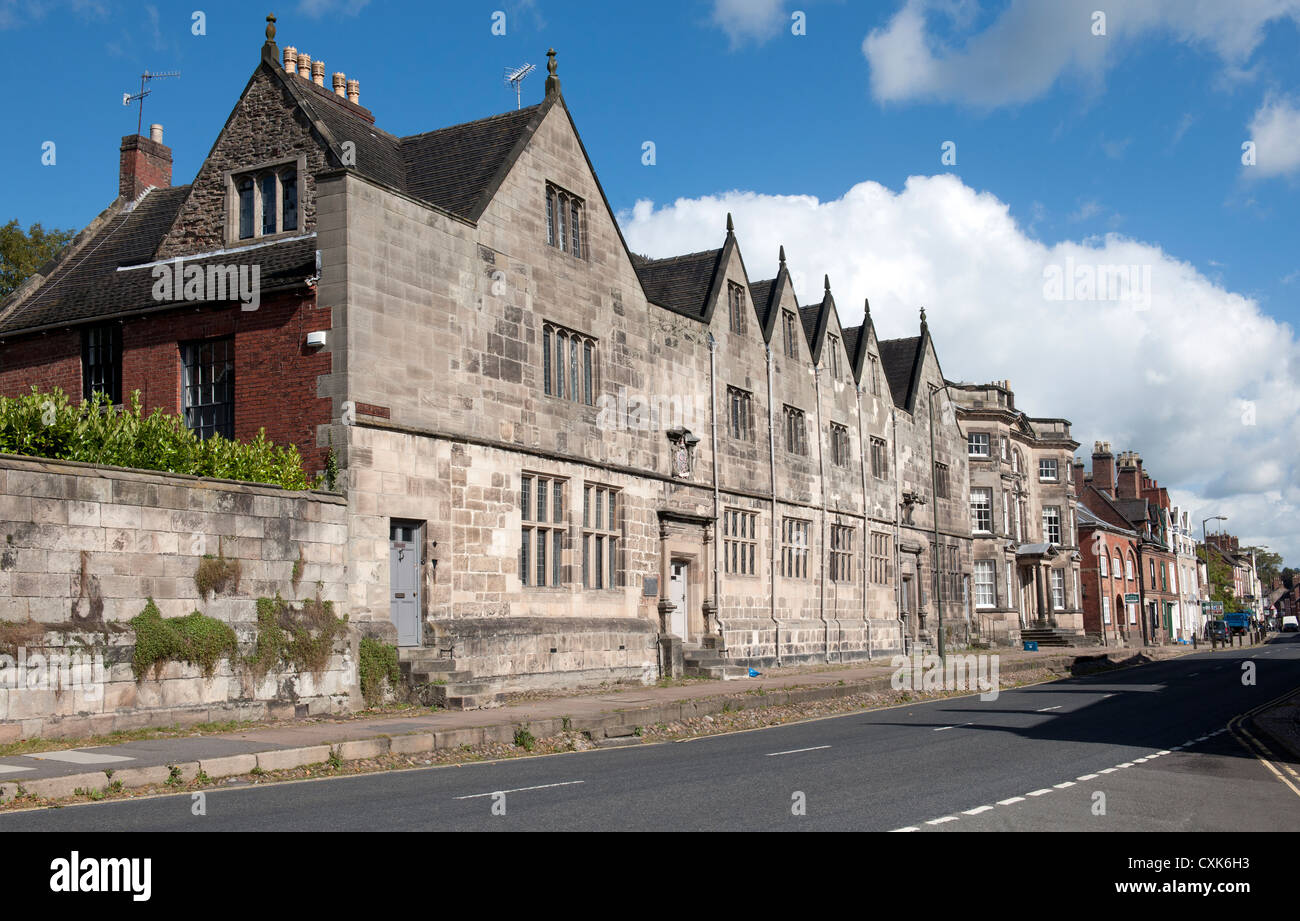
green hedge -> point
(93, 431)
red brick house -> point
(1108, 571)
(230, 353)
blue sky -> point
(1127, 143)
(1151, 149)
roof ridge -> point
(402, 138)
(646, 260)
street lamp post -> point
(1205, 541)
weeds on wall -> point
(299, 637)
(48, 424)
(376, 663)
(195, 638)
(217, 575)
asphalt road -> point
(1035, 757)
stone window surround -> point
(988, 445)
(740, 548)
(603, 519)
(569, 233)
(990, 567)
(531, 523)
(230, 179)
(841, 553)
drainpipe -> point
(821, 470)
(866, 527)
(771, 446)
(898, 533)
(935, 552)
(713, 425)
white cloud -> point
(1033, 44)
(1275, 129)
(1168, 381)
(748, 20)
(317, 9)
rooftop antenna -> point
(515, 79)
(145, 77)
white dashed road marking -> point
(545, 786)
(977, 810)
(796, 751)
(1008, 802)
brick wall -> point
(276, 374)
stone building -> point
(562, 462)
(1023, 515)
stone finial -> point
(552, 80)
(826, 282)
(731, 225)
(270, 28)
(866, 308)
(924, 325)
(782, 257)
(290, 59)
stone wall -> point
(82, 549)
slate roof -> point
(91, 287)
(900, 358)
(680, 283)
(763, 295)
(454, 167)
(851, 336)
(78, 288)
(451, 168)
(808, 315)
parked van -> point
(1290, 624)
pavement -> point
(1145, 748)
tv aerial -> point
(515, 79)
(128, 98)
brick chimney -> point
(1103, 468)
(1076, 469)
(145, 162)
(1128, 484)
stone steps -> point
(438, 683)
(708, 660)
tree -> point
(22, 253)
(1268, 565)
(1221, 584)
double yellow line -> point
(1283, 772)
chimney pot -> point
(290, 59)
(304, 65)
(340, 84)
(155, 133)
(354, 91)
(318, 73)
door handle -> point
(399, 594)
